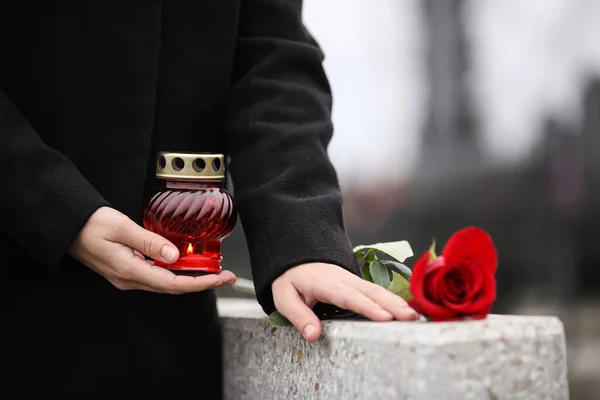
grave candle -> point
(192, 209)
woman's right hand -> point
(113, 245)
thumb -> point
(146, 242)
(290, 304)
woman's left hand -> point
(299, 289)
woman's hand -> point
(114, 246)
(298, 290)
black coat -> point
(90, 90)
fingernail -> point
(385, 314)
(168, 253)
(308, 331)
(230, 281)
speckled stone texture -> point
(502, 357)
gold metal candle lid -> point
(190, 166)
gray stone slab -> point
(502, 357)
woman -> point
(90, 91)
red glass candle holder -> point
(192, 209)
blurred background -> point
(449, 113)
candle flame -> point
(190, 249)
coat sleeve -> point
(44, 200)
(278, 132)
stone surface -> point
(502, 357)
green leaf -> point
(366, 273)
(367, 260)
(379, 273)
(432, 255)
(400, 286)
(364, 259)
(399, 250)
(397, 267)
(370, 256)
(278, 320)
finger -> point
(387, 300)
(154, 246)
(348, 298)
(228, 278)
(138, 254)
(161, 280)
(141, 256)
(290, 305)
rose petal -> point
(471, 244)
(461, 304)
(434, 286)
(486, 295)
(473, 273)
(438, 263)
(481, 314)
(451, 297)
(456, 283)
(479, 294)
(428, 290)
(420, 302)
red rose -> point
(460, 283)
